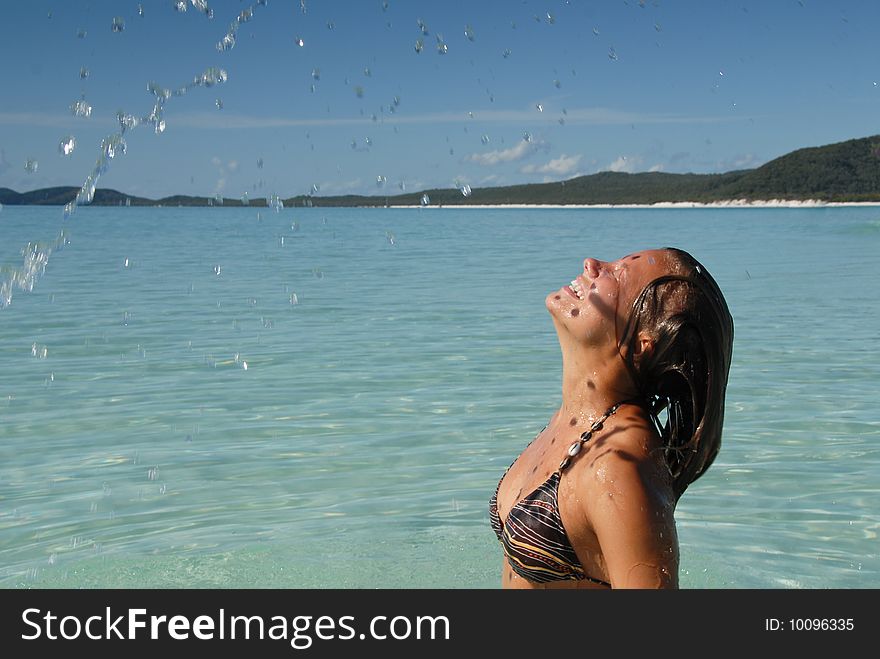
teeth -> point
(575, 285)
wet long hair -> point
(683, 380)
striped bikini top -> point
(533, 537)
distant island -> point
(844, 172)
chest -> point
(533, 468)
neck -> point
(591, 383)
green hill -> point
(845, 171)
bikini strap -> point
(586, 436)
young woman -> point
(646, 345)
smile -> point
(576, 289)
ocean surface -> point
(317, 398)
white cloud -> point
(523, 149)
(224, 169)
(231, 121)
(574, 116)
(559, 166)
(625, 164)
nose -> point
(591, 267)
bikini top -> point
(533, 537)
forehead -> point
(659, 260)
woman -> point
(646, 344)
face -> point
(594, 307)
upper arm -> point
(631, 510)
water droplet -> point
(212, 76)
(113, 146)
(484, 139)
(219, 104)
(31, 165)
(469, 32)
(315, 188)
(118, 24)
(465, 190)
(419, 45)
(657, 27)
(227, 42)
(368, 141)
(217, 270)
(140, 10)
(80, 109)
(551, 19)
(81, 33)
(527, 137)
(380, 181)
(83, 73)
(259, 163)
(359, 91)
(319, 274)
(557, 84)
(390, 238)
(152, 473)
(506, 53)
(126, 318)
(612, 54)
(442, 48)
(294, 299)
(422, 26)
(299, 42)
(540, 107)
(425, 200)
(596, 31)
(180, 5)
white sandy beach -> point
(734, 203)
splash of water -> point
(36, 254)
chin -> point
(554, 301)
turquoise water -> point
(397, 360)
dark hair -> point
(685, 375)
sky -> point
(333, 97)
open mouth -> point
(575, 289)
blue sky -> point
(332, 95)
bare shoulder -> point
(629, 505)
(627, 458)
